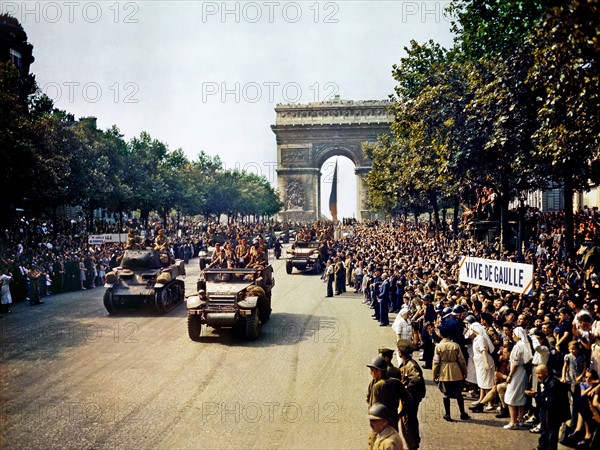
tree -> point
(487, 29)
(566, 74)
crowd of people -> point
(532, 359)
(39, 258)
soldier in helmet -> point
(413, 381)
(386, 390)
(383, 435)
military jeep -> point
(304, 255)
(231, 298)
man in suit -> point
(553, 401)
(384, 301)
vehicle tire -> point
(160, 301)
(194, 327)
(108, 302)
(264, 310)
(251, 326)
(288, 268)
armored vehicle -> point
(304, 255)
(141, 279)
(236, 298)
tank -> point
(143, 279)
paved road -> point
(73, 377)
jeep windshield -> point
(303, 244)
(229, 275)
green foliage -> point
(492, 28)
(513, 105)
(566, 75)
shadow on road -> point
(281, 329)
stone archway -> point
(309, 134)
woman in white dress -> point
(6, 298)
(471, 377)
(484, 363)
(517, 378)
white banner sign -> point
(97, 239)
(509, 276)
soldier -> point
(386, 390)
(222, 261)
(258, 258)
(413, 381)
(34, 286)
(132, 242)
(242, 253)
(383, 436)
(161, 243)
(263, 246)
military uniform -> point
(391, 393)
(388, 439)
(161, 243)
(242, 254)
(412, 379)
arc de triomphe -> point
(308, 135)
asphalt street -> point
(74, 377)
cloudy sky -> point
(208, 75)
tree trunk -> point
(569, 226)
(91, 229)
(436, 210)
(455, 215)
(504, 228)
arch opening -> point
(346, 187)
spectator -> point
(517, 378)
(449, 369)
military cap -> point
(386, 352)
